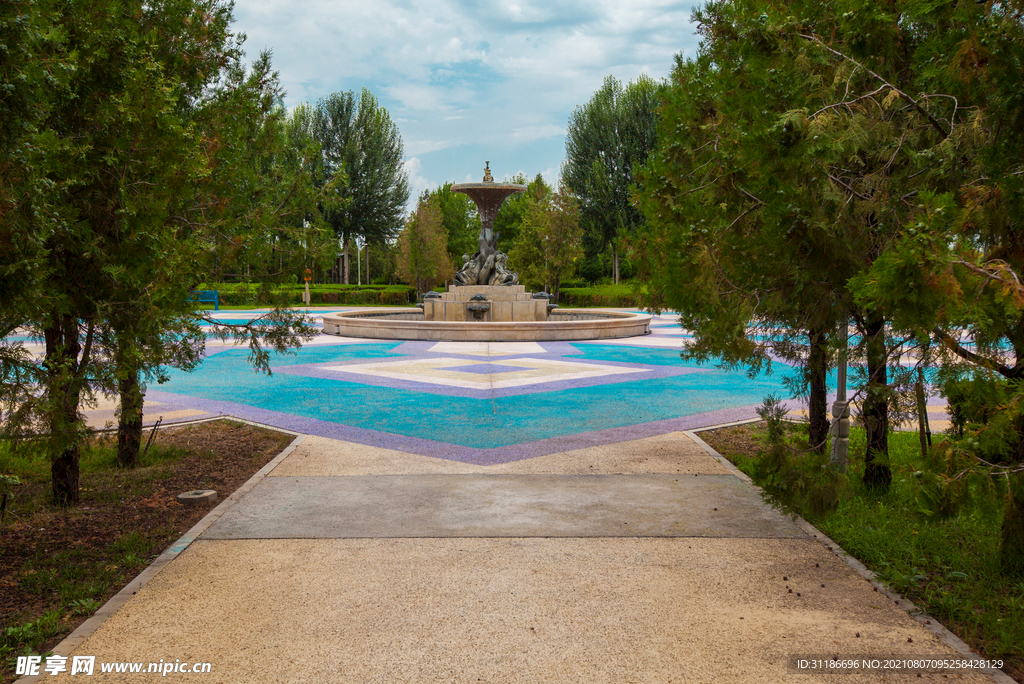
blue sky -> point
(468, 81)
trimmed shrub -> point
(612, 296)
(240, 294)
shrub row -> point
(614, 296)
(342, 295)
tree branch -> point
(977, 359)
(931, 119)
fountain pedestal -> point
(490, 303)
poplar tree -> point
(605, 143)
(358, 138)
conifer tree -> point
(790, 149)
(161, 169)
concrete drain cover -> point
(198, 496)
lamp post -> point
(841, 409)
(359, 259)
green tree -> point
(422, 258)
(459, 219)
(358, 138)
(151, 180)
(510, 216)
(790, 150)
(952, 279)
(264, 200)
(606, 142)
(511, 212)
(32, 63)
(549, 241)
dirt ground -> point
(124, 521)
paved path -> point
(506, 573)
(461, 513)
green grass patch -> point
(948, 566)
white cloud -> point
(528, 133)
(501, 80)
(417, 182)
(413, 147)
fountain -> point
(486, 301)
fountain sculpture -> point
(486, 301)
(488, 266)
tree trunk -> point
(817, 374)
(129, 423)
(876, 406)
(344, 262)
(615, 264)
(63, 393)
(368, 281)
(64, 472)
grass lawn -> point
(57, 566)
(948, 567)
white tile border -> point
(926, 621)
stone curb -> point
(926, 621)
(86, 629)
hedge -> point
(613, 296)
(233, 294)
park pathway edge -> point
(86, 629)
(927, 621)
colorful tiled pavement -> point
(475, 402)
(480, 403)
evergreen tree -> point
(160, 170)
(952, 280)
(787, 158)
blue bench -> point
(207, 296)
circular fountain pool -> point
(561, 324)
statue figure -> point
(470, 271)
(488, 266)
(503, 276)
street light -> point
(841, 408)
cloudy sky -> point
(468, 81)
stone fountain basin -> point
(562, 324)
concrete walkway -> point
(639, 561)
